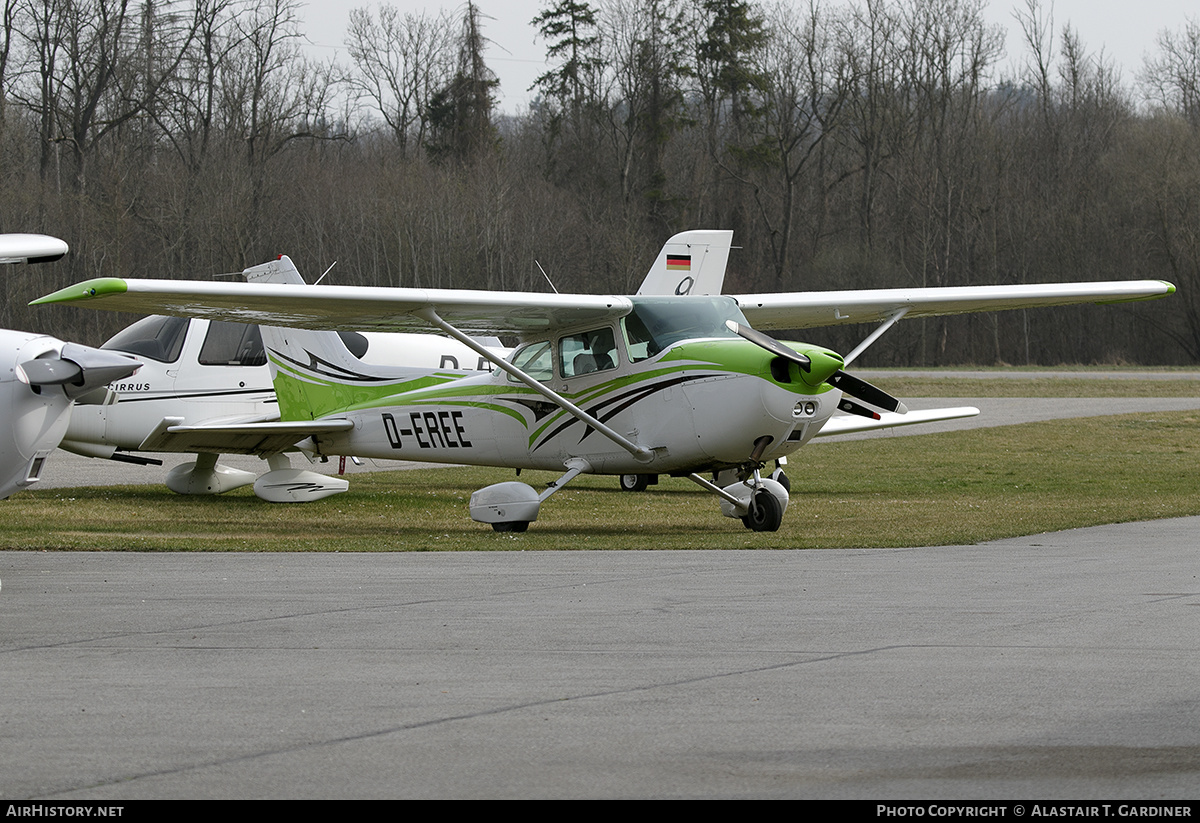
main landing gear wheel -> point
(765, 513)
(782, 479)
(634, 482)
(513, 526)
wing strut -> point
(892, 320)
(639, 452)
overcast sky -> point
(1125, 30)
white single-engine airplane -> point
(40, 378)
(198, 371)
(606, 385)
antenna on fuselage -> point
(543, 271)
(327, 271)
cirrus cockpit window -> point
(157, 338)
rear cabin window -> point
(587, 353)
(232, 344)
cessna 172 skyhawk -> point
(599, 384)
(199, 371)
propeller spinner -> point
(853, 386)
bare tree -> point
(99, 65)
(1171, 78)
(400, 63)
(807, 83)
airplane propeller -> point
(849, 384)
(769, 343)
(864, 391)
(78, 369)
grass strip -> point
(937, 489)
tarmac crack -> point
(498, 710)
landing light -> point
(804, 408)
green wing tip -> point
(1170, 287)
(83, 291)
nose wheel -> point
(765, 513)
(758, 502)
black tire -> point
(634, 482)
(511, 526)
(782, 479)
(765, 514)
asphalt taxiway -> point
(1056, 666)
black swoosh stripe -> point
(318, 366)
(629, 398)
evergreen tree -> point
(570, 27)
(461, 113)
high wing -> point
(522, 313)
(359, 308)
(802, 310)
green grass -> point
(902, 386)
(938, 489)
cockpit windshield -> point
(657, 322)
(158, 338)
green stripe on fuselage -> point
(303, 395)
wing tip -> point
(99, 287)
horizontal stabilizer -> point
(262, 439)
(852, 424)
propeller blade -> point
(848, 405)
(769, 343)
(99, 366)
(865, 392)
(49, 371)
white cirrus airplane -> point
(197, 371)
(678, 385)
(41, 377)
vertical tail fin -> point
(692, 262)
(280, 270)
(314, 373)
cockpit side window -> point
(232, 344)
(157, 338)
(534, 360)
(591, 351)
